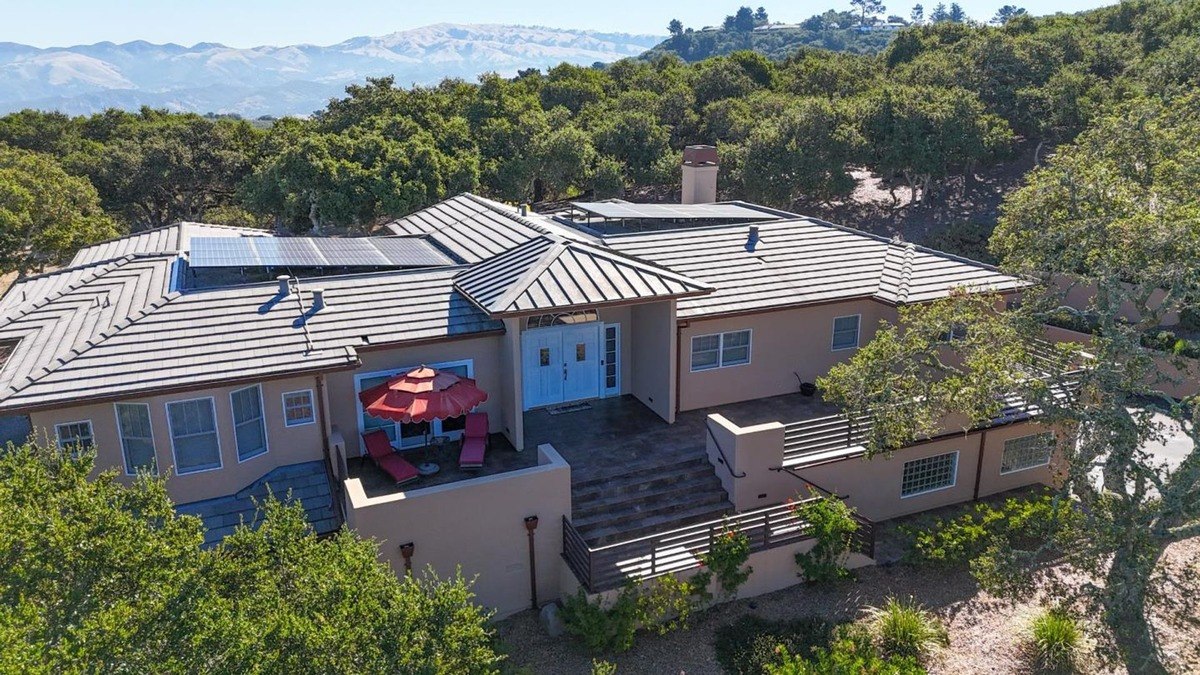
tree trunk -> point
(1037, 153)
(314, 217)
(1126, 588)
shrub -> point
(833, 527)
(851, 653)
(603, 668)
(603, 628)
(667, 602)
(1017, 520)
(1055, 641)
(905, 629)
(751, 644)
(725, 560)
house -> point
(643, 365)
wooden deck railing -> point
(611, 566)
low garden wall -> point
(1182, 373)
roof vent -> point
(318, 299)
(752, 240)
(285, 285)
(524, 209)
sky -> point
(249, 23)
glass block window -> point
(1027, 452)
(75, 436)
(845, 332)
(720, 350)
(137, 440)
(929, 474)
(249, 427)
(194, 435)
(298, 408)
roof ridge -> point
(106, 266)
(94, 341)
(491, 206)
(544, 260)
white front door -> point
(560, 363)
(581, 352)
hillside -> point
(283, 80)
(775, 43)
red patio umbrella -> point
(422, 395)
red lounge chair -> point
(475, 439)
(379, 449)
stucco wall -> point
(484, 351)
(653, 358)
(1180, 374)
(783, 343)
(285, 445)
(477, 525)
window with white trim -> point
(929, 474)
(298, 408)
(137, 439)
(75, 436)
(845, 332)
(720, 350)
(249, 427)
(1027, 452)
(194, 435)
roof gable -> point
(549, 273)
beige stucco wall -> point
(486, 352)
(285, 445)
(783, 343)
(653, 358)
(1180, 374)
(752, 451)
(477, 525)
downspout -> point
(335, 492)
(678, 362)
(979, 464)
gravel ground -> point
(984, 632)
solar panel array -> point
(314, 252)
(628, 211)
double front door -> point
(562, 363)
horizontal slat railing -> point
(611, 566)
(823, 434)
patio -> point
(501, 457)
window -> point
(298, 408)
(137, 439)
(1027, 452)
(720, 350)
(929, 474)
(562, 319)
(845, 332)
(249, 428)
(194, 435)
(958, 331)
(75, 436)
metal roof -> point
(803, 261)
(208, 252)
(167, 239)
(549, 273)
(475, 229)
(620, 210)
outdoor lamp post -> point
(531, 523)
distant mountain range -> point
(290, 80)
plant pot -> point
(808, 388)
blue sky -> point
(247, 23)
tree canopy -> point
(99, 577)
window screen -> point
(194, 435)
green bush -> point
(603, 668)
(726, 560)
(851, 653)
(1055, 641)
(833, 527)
(905, 629)
(1018, 520)
(751, 644)
(667, 602)
(603, 628)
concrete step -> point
(664, 478)
(635, 514)
(649, 468)
(645, 496)
(653, 524)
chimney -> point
(285, 285)
(318, 299)
(752, 240)
(699, 174)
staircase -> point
(619, 504)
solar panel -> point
(627, 211)
(314, 252)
